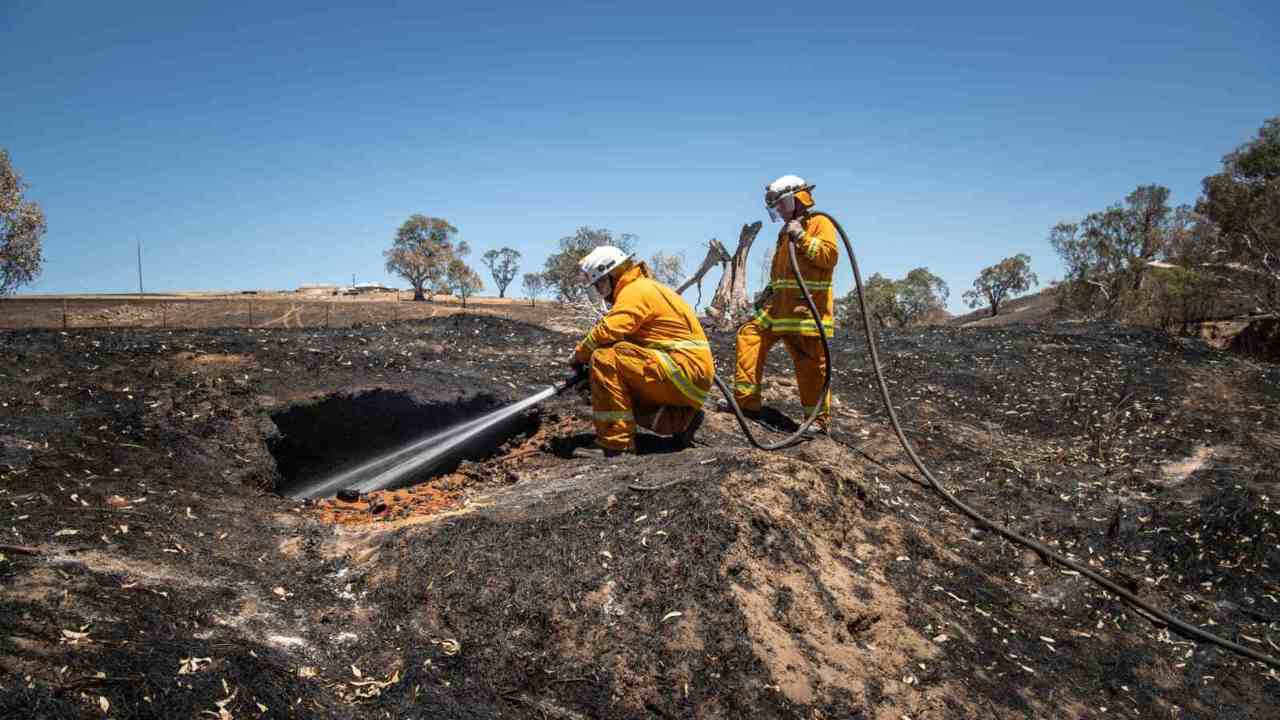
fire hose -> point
(1184, 628)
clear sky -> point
(265, 145)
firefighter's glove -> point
(794, 230)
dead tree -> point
(731, 303)
(716, 255)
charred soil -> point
(151, 567)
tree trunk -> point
(731, 302)
(716, 255)
(417, 293)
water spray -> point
(413, 459)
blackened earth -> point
(149, 568)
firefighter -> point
(650, 361)
(781, 313)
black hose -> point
(1184, 628)
(1044, 552)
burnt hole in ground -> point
(359, 436)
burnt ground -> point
(148, 569)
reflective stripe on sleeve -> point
(815, 244)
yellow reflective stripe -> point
(793, 285)
(612, 415)
(677, 344)
(589, 342)
(682, 383)
(746, 388)
(815, 244)
(770, 323)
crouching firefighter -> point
(781, 313)
(650, 362)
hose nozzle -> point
(579, 375)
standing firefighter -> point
(782, 313)
(650, 362)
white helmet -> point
(602, 261)
(784, 190)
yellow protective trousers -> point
(754, 342)
(632, 385)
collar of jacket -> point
(628, 276)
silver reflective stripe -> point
(612, 415)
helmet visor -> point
(782, 207)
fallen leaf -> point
(672, 614)
(66, 531)
(190, 665)
(104, 704)
(72, 637)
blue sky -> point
(267, 145)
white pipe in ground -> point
(397, 466)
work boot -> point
(684, 438)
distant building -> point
(317, 289)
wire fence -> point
(229, 311)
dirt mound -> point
(1035, 308)
(149, 569)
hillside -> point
(150, 571)
(1037, 307)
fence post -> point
(164, 316)
(64, 313)
(250, 313)
(326, 313)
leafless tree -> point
(731, 303)
(716, 256)
(667, 269)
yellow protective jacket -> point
(649, 314)
(816, 253)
